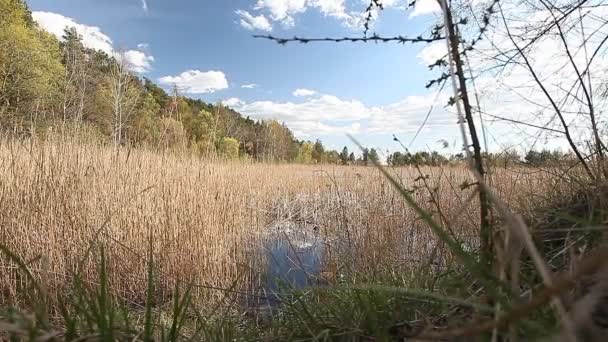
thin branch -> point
(428, 114)
(546, 30)
(598, 141)
(549, 97)
(522, 123)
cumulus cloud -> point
(232, 102)
(323, 107)
(197, 82)
(408, 114)
(324, 114)
(508, 92)
(432, 52)
(282, 10)
(337, 9)
(136, 61)
(249, 86)
(301, 92)
(285, 12)
(314, 129)
(424, 7)
(93, 38)
(251, 22)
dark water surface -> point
(294, 260)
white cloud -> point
(324, 114)
(323, 107)
(312, 129)
(282, 10)
(93, 38)
(197, 82)
(424, 7)
(432, 52)
(336, 9)
(144, 5)
(301, 92)
(408, 114)
(143, 46)
(136, 61)
(285, 11)
(232, 102)
(249, 86)
(388, 3)
(251, 22)
(329, 7)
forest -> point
(50, 85)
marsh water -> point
(294, 257)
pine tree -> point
(373, 156)
(344, 155)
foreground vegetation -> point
(127, 213)
(119, 243)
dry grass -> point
(208, 220)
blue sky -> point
(321, 90)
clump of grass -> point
(89, 311)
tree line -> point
(48, 84)
(544, 157)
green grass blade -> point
(422, 294)
(490, 283)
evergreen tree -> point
(373, 156)
(318, 152)
(365, 156)
(344, 155)
(351, 158)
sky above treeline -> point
(320, 90)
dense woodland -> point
(49, 85)
(507, 158)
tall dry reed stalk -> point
(208, 220)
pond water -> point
(294, 260)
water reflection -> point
(294, 259)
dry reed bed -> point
(208, 220)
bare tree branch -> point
(549, 97)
